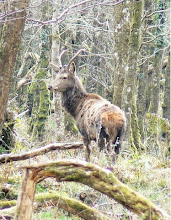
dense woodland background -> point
(127, 61)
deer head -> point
(66, 74)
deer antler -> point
(56, 67)
(60, 56)
(75, 55)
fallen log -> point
(92, 175)
(72, 206)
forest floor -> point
(148, 174)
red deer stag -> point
(96, 118)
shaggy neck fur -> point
(72, 97)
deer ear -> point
(72, 68)
(54, 67)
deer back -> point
(94, 113)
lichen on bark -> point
(130, 82)
(10, 38)
(38, 94)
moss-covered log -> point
(94, 176)
(5, 158)
(72, 206)
(7, 203)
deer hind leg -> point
(103, 139)
(109, 146)
(99, 140)
(87, 150)
(117, 149)
(87, 153)
(118, 141)
(101, 143)
(110, 150)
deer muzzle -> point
(50, 87)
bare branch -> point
(5, 158)
(149, 41)
(64, 13)
(28, 77)
(145, 58)
(154, 12)
(67, 10)
(2, 16)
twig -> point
(149, 41)
(65, 12)
(154, 12)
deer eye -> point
(64, 77)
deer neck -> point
(72, 98)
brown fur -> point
(96, 118)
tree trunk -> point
(121, 38)
(155, 99)
(38, 91)
(59, 116)
(142, 99)
(130, 84)
(166, 103)
(25, 201)
(10, 40)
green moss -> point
(39, 96)
(6, 203)
(71, 204)
(159, 127)
(135, 137)
(136, 11)
(2, 48)
(7, 140)
(69, 123)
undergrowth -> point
(146, 173)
